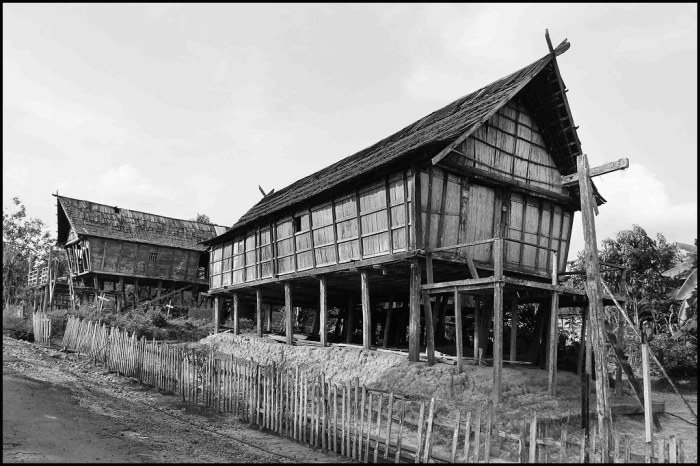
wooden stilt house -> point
(467, 209)
(162, 257)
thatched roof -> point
(92, 219)
(427, 136)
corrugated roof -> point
(93, 219)
(442, 126)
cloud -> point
(126, 182)
(636, 196)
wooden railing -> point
(361, 423)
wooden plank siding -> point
(110, 256)
(510, 144)
(370, 221)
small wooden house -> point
(467, 208)
(160, 256)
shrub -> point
(15, 326)
(678, 357)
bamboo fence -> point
(42, 327)
(354, 421)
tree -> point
(650, 292)
(203, 218)
(25, 242)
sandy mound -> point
(524, 387)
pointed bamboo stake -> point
(400, 433)
(467, 435)
(379, 424)
(455, 438)
(489, 422)
(562, 448)
(389, 421)
(672, 450)
(361, 426)
(324, 437)
(477, 434)
(343, 450)
(419, 438)
(522, 442)
(335, 419)
(369, 426)
(429, 432)
(533, 438)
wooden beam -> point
(236, 328)
(288, 312)
(513, 328)
(160, 297)
(350, 321)
(323, 307)
(553, 332)
(573, 179)
(387, 326)
(258, 311)
(593, 289)
(477, 302)
(648, 413)
(497, 341)
(217, 301)
(458, 331)
(366, 311)
(414, 312)
(428, 309)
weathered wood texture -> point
(368, 222)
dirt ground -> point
(54, 410)
(524, 388)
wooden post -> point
(593, 290)
(477, 302)
(497, 321)
(268, 320)
(258, 311)
(387, 326)
(236, 329)
(533, 439)
(648, 414)
(414, 310)
(458, 332)
(621, 331)
(217, 300)
(350, 321)
(553, 331)
(366, 311)
(288, 312)
(428, 311)
(513, 328)
(136, 293)
(323, 308)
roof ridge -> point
(138, 211)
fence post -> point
(533, 438)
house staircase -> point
(622, 359)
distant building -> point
(110, 247)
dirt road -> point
(54, 410)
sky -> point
(179, 109)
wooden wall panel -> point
(142, 258)
(112, 248)
(180, 258)
(126, 257)
(510, 144)
(165, 256)
(97, 250)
